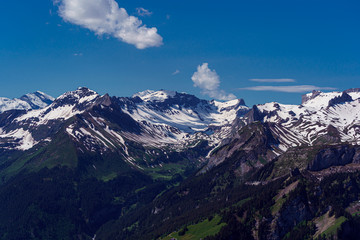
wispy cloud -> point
(177, 71)
(288, 89)
(209, 81)
(273, 80)
(106, 17)
(143, 12)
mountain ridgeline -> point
(164, 164)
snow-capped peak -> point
(81, 92)
(11, 104)
(64, 107)
(318, 100)
(28, 101)
(44, 95)
(152, 96)
(228, 105)
(37, 99)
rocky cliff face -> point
(251, 147)
(293, 213)
(340, 99)
(335, 156)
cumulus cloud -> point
(209, 81)
(106, 17)
(143, 12)
(288, 89)
(271, 80)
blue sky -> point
(235, 47)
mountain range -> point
(134, 167)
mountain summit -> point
(29, 101)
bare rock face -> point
(289, 216)
(335, 156)
(251, 148)
(341, 99)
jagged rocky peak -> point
(242, 102)
(79, 96)
(354, 93)
(79, 93)
(77, 100)
(340, 99)
(104, 100)
(320, 99)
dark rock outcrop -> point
(335, 156)
(340, 100)
(289, 216)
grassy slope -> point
(335, 227)
(60, 152)
(199, 230)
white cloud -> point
(220, 94)
(143, 12)
(177, 71)
(289, 89)
(209, 81)
(205, 78)
(271, 80)
(106, 17)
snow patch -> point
(151, 96)
(23, 138)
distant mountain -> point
(34, 100)
(37, 99)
